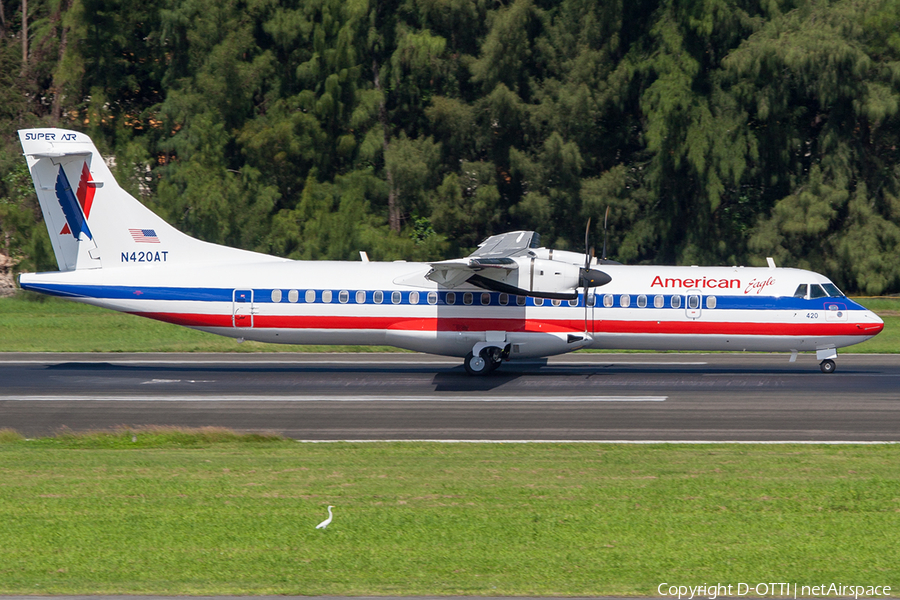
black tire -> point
(827, 366)
(477, 365)
(494, 356)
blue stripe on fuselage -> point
(264, 296)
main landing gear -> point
(484, 362)
(827, 366)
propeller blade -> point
(605, 219)
(587, 241)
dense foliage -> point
(717, 131)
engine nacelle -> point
(572, 258)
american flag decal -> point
(144, 236)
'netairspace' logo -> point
(773, 590)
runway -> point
(579, 397)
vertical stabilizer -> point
(94, 223)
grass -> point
(210, 512)
(34, 323)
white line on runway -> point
(429, 398)
(811, 373)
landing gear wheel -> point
(827, 366)
(477, 365)
(494, 356)
(482, 364)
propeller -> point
(605, 219)
(587, 242)
(592, 277)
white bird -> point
(327, 521)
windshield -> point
(832, 290)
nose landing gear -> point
(827, 356)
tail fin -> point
(94, 223)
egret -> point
(326, 522)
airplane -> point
(509, 300)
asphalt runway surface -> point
(579, 397)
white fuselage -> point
(376, 303)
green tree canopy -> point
(715, 131)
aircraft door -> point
(693, 304)
(590, 301)
(242, 309)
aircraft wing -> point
(451, 273)
(496, 252)
(507, 245)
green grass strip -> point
(34, 323)
(176, 512)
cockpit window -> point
(816, 291)
(832, 290)
(801, 291)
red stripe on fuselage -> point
(522, 325)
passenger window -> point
(710, 302)
(624, 300)
(344, 297)
(414, 297)
(608, 300)
(485, 298)
(396, 297)
(676, 301)
(642, 301)
(467, 298)
(451, 297)
(326, 296)
(276, 295)
(378, 297)
(556, 302)
(693, 302)
(310, 296)
(432, 297)
(816, 291)
(573, 302)
(504, 299)
(801, 291)
(658, 302)
(360, 297)
(538, 301)
(520, 300)
(294, 295)
(591, 299)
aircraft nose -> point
(872, 323)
